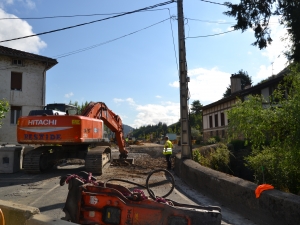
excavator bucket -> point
(97, 202)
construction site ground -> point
(44, 191)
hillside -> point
(127, 129)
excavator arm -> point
(99, 110)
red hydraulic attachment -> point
(99, 110)
(93, 202)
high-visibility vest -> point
(168, 151)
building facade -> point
(23, 85)
(215, 119)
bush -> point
(276, 166)
(217, 159)
(211, 141)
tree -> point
(4, 108)
(79, 107)
(196, 115)
(245, 80)
(273, 133)
(196, 107)
(256, 14)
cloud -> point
(18, 28)
(118, 100)
(274, 52)
(130, 101)
(27, 3)
(151, 114)
(206, 85)
(30, 4)
(157, 96)
(69, 95)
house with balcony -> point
(215, 119)
(23, 85)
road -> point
(44, 191)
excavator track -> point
(38, 160)
(97, 159)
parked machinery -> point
(60, 133)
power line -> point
(78, 25)
(71, 16)
(211, 34)
(173, 41)
(212, 2)
(210, 21)
(106, 42)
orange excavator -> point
(60, 134)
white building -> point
(23, 85)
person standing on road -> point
(168, 151)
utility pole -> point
(186, 147)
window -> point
(15, 113)
(210, 122)
(18, 62)
(16, 81)
(216, 120)
(222, 119)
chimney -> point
(236, 84)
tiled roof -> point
(26, 55)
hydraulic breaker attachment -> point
(91, 201)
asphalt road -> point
(44, 191)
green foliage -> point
(156, 130)
(4, 108)
(211, 141)
(273, 133)
(196, 107)
(81, 107)
(256, 15)
(217, 159)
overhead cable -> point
(173, 40)
(106, 42)
(213, 2)
(71, 16)
(211, 34)
(78, 25)
(210, 21)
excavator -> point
(60, 133)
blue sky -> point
(137, 75)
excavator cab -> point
(68, 109)
(55, 109)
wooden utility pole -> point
(186, 147)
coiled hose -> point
(150, 192)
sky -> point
(130, 62)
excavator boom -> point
(99, 110)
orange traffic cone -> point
(261, 188)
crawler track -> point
(97, 158)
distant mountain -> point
(127, 129)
